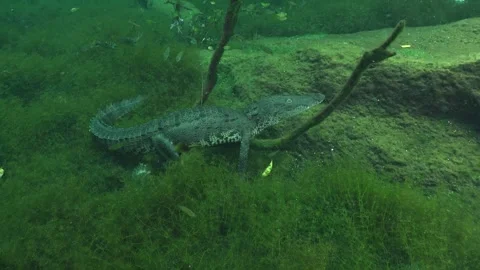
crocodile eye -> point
(289, 100)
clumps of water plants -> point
(289, 18)
(57, 212)
(197, 214)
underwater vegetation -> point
(198, 215)
(296, 17)
(68, 203)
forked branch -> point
(374, 56)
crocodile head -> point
(270, 110)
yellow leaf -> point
(268, 170)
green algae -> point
(331, 216)
(69, 203)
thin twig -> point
(228, 27)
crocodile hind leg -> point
(244, 147)
(164, 147)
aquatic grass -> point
(67, 203)
(345, 16)
(28, 75)
(389, 225)
(335, 216)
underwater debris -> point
(105, 44)
(178, 7)
(281, 16)
(177, 23)
(268, 170)
(146, 4)
(2, 171)
(187, 211)
(166, 53)
(141, 170)
(264, 4)
(99, 44)
(179, 56)
(134, 35)
(132, 40)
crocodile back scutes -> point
(205, 126)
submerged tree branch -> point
(228, 27)
(375, 56)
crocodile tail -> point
(113, 112)
(102, 124)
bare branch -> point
(375, 56)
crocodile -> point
(198, 126)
